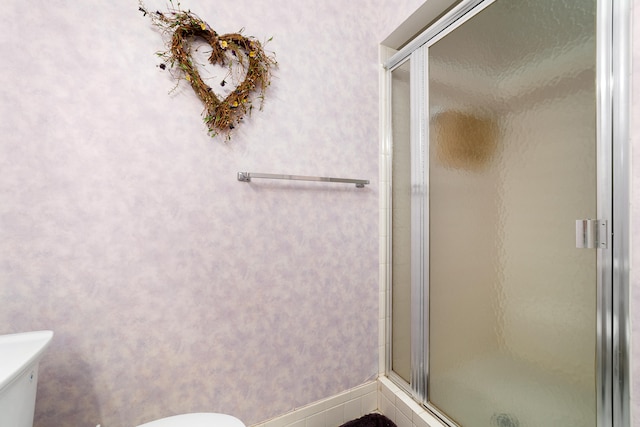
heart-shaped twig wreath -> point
(231, 50)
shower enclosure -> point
(501, 224)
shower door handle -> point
(591, 233)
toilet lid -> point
(197, 420)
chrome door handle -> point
(591, 233)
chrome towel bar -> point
(247, 176)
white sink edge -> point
(19, 351)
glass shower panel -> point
(512, 165)
(401, 222)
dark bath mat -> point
(370, 420)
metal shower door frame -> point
(613, 172)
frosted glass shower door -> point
(401, 224)
(512, 166)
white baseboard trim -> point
(381, 396)
(400, 408)
(333, 411)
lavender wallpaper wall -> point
(171, 286)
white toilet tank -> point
(20, 356)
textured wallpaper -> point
(171, 286)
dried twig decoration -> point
(232, 50)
